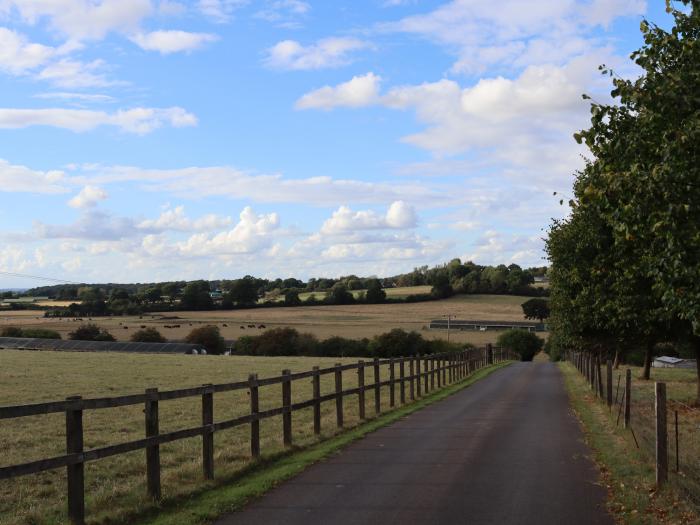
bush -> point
(11, 331)
(398, 343)
(341, 347)
(40, 333)
(282, 341)
(91, 332)
(525, 343)
(209, 337)
(148, 335)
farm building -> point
(24, 343)
(673, 362)
(483, 326)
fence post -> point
(432, 374)
(339, 395)
(392, 383)
(152, 451)
(489, 354)
(600, 377)
(419, 386)
(402, 374)
(608, 381)
(207, 433)
(628, 394)
(444, 370)
(661, 435)
(361, 388)
(412, 380)
(76, 472)
(377, 388)
(254, 409)
(287, 406)
(425, 375)
(316, 386)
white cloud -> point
(220, 10)
(175, 219)
(284, 13)
(14, 178)
(18, 56)
(68, 73)
(399, 216)
(79, 20)
(88, 197)
(517, 32)
(79, 97)
(92, 225)
(495, 247)
(167, 42)
(137, 120)
(357, 92)
(326, 53)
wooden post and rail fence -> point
(448, 368)
(589, 365)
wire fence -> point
(665, 429)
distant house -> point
(673, 362)
(216, 295)
(483, 326)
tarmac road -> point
(505, 450)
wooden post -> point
(76, 472)
(377, 387)
(361, 388)
(600, 377)
(392, 383)
(287, 405)
(207, 434)
(152, 451)
(316, 381)
(489, 354)
(339, 395)
(432, 374)
(254, 409)
(425, 375)
(411, 382)
(419, 385)
(438, 366)
(609, 381)
(444, 371)
(402, 389)
(628, 395)
(661, 436)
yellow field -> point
(352, 321)
(115, 487)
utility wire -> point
(37, 277)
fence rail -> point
(423, 374)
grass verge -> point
(626, 472)
(232, 494)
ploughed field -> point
(352, 321)
(115, 486)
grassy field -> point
(353, 321)
(628, 471)
(118, 483)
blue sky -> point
(145, 140)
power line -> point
(37, 277)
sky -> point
(153, 140)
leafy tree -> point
(153, 294)
(148, 335)
(536, 309)
(291, 298)
(375, 293)
(90, 332)
(244, 292)
(339, 295)
(196, 296)
(441, 286)
(209, 337)
(522, 342)
(398, 343)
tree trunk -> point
(696, 344)
(616, 361)
(648, 354)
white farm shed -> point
(673, 362)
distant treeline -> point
(445, 280)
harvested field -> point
(353, 321)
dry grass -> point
(115, 487)
(353, 321)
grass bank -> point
(626, 471)
(233, 493)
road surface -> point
(506, 450)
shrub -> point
(398, 343)
(40, 333)
(209, 337)
(91, 332)
(341, 347)
(525, 343)
(283, 341)
(11, 331)
(148, 335)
